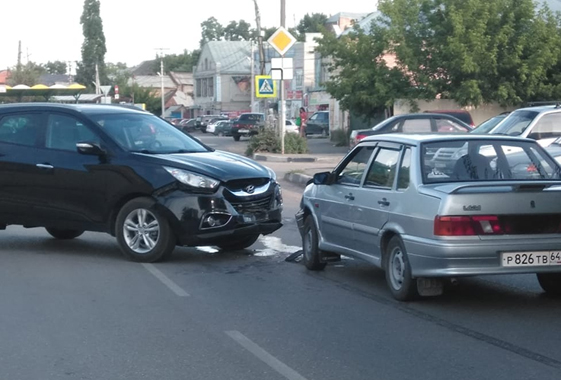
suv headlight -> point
(195, 180)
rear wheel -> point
(550, 283)
(63, 234)
(239, 243)
(143, 234)
(398, 271)
(311, 254)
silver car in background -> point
(388, 203)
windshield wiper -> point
(144, 151)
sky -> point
(50, 30)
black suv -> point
(248, 124)
(76, 168)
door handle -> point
(384, 202)
(45, 166)
(350, 197)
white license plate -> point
(243, 131)
(530, 259)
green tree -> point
(178, 62)
(93, 47)
(148, 96)
(211, 30)
(238, 31)
(56, 67)
(473, 52)
(27, 74)
(312, 23)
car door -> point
(20, 170)
(76, 190)
(335, 201)
(375, 199)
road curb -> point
(298, 178)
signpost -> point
(282, 67)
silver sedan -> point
(390, 203)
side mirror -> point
(89, 149)
(323, 178)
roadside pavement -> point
(300, 168)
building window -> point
(210, 82)
(198, 88)
(204, 85)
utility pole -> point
(282, 116)
(19, 56)
(252, 78)
(162, 79)
(259, 38)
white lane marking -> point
(166, 280)
(264, 356)
(274, 246)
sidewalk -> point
(299, 168)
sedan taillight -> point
(467, 225)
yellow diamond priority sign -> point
(282, 40)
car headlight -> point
(195, 180)
(271, 173)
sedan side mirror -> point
(323, 178)
(89, 149)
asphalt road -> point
(78, 310)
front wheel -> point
(63, 234)
(239, 243)
(236, 137)
(398, 271)
(311, 255)
(143, 234)
(550, 283)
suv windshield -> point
(515, 124)
(486, 160)
(146, 134)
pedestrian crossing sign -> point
(265, 87)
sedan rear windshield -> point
(146, 134)
(486, 160)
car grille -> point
(241, 184)
(252, 206)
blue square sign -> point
(265, 87)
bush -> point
(268, 141)
(340, 137)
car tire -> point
(398, 271)
(311, 256)
(550, 283)
(63, 234)
(140, 225)
(236, 138)
(237, 244)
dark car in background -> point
(462, 115)
(187, 125)
(318, 124)
(247, 125)
(76, 168)
(413, 123)
(208, 120)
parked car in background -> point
(247, 125)
(388, 204)
(318, 124)
(412, 123)
(187, 125)
(210, 121)
(131, 174)
(223, 128)
(211, 128)
(291, 127)
(489, 124)
(537, 123)
(462, 115)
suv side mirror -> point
(89, 149)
